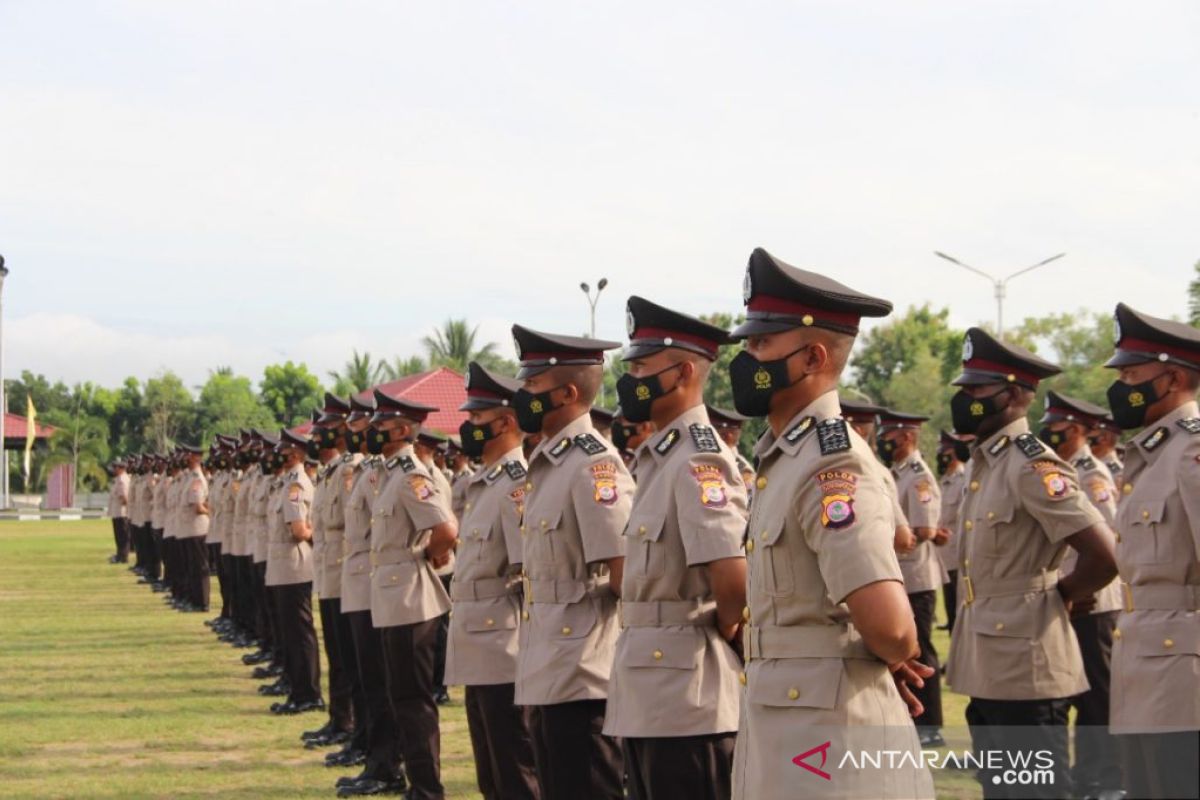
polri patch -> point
(420, 486)
(1055, 483)
(837, 498)
(604, 483)
(712, 485)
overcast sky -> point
(187, 185)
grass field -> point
(104, 692)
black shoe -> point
(258, 657)
(243, 641)
(442, 697)
(372, 786)
(932, 738)
(348, 756)
(365, 775)
(324, 730)
(276, 689)
(144, 580)
(331, 739)
(291, 707)
(265, 673)
(158, 586)
(191, 609)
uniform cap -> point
(487, 389)
(334, 412)
(361, 407)
(388, 407)
(1061, 408)
(538, 351)
(986, 359)
(891, 420)
(724, 418)
(780, 297)
(289, 439)
(857, 411)
(652, 328)
(1141, 338)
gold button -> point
(761, 483)
(742, 678)
(1145, 515)
(763, 536)
(966, 563)
(474, 530)
(807, 320)
(991, 515)
(969, 525)
(1168, 643)
(467, 507)
(746, 613)
(528, 486)
(395, 578)
(658, 655)
(450, 615)
(793, 693)
(1127, 488)
(999, 626)
(490, 621)
(974, 486)
(524, 615)
(1116, 633)
(544, 523)
(749, 545)
(566, 631)
(641, 530)
(1118, 537)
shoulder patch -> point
(917, 467)
(668, 441)
(1085, 463)
(799, 429)
(704, 437)
(563, 446)
(295, 491)
(515, 470)
(833, 436)
(999, 445)
(604, 483)
(1030, 445)
(1155, 439)
(1191, 424)
(589, 444)
(420, 486)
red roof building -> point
(441, 388)
(16, 428)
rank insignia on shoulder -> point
(799, 429)
(833, 435)
(917, 467)
(1030, 445)
(998, 445)
(668, 441)
(407, 464)
(704, 437)
(1191, 424)
(589, 444)
(347, 458)
(515, 470)
(392, 463)
(1085, 463)
(1155, 439)
(563, 446)
(495, 473)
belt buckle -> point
(969, 585)
(527, 588)
(1127, 596)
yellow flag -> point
(30, 429)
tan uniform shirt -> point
(1012, 639)
(673, 674)
(1117, 470)
(482, 645)
(1097, 483)
(921, 499)
(193, 491)
(442, 479)
(158, 502)
(458, 491)
(171, 506)
(339, 482)
(404, 588)
(137, 515)
(577, 500)
(318, 526)
(746, 472)
(952, 484)
(259, 504)
(368, 480)
(216, 504)
(118, 496)
(288, 561)
(821, 526)
(244, 488)
(1156, 655)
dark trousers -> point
(698, 767)
(120, 527)
(443, 638)
(408, 654)
(224, 580)
(244, 594)
(382, 737)
(1161, 765)
(301, 663)
(196, 569)
(502, 743)
(950, 598)
(341, 680)
(924, 606)
(1021, 727)
(137, 541)
(264, 615)
(170, 563)
(154, 565)
(1097, 757)
(575, 760)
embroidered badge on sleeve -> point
(604, 483)
(837, 498)
(421, 486)
(712, 486)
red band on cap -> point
(983, 365)
(708, 345)
(777, 305)
(573, 355)
(1144, 346)
(485, 394)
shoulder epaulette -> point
(392, 462)
(494, 473)
(590, 444)
(917, 467)
(704, 438)
(347, 458)
(833, 436)
(563, 446)
(668, 441)
(999, 445)
(1155, 439)
(1085, 463)
(515, 470)
(1191, 424)
(799, 429)
(1030, 445)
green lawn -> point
(106, 693)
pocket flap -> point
(650, 647)
(1149, 512)
(796, 682)
(478, 617)
(1175, 638)
(547, 523)
(646, 528)
(768, 533)
(1001, 515)
(999, 622)
(574, 620)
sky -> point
(191, 185)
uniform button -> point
(474, 530)
(1116, 633)
(467, 507)
(641, 530)
(966, 563)
(969, 525)
(1145, 515)
(742, 678)
(763, 536)
(974, 486)
(544, 524)
(749, 545)
(449, 615)
(1118, 537)
(658, 655)
(991, 515)
(566, 631)
(490, 621)
(746, 613)
(999, 626)
(1168, 643)
(524, 615)
(528, 486)
(793, 693)
(761, 483)
(1127, 488)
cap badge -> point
(747, 287)
(630, 322)
(968, 348)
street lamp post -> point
(1000, 285)
(3, 395)
(593, 299)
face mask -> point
(621, 435)
(943, 463)
(531, 408)
(887, 451)
(637, 395)
(355, 441)
(754, 382)
(962, 451)
(376, 439)
(474, 436)
(313, 448)
(1129, 402)
(968, 412)
(326, 438)
(1053, 438)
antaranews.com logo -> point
(1007, 767)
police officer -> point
(673, 694)
(461, 472)
(921, 500)
(412, 532)
(952, 456)
(263, 510)
(1066, 424)
(577, 501)
(1105, 442)
(118, 511)
(157, 487)
(427, 448)
(1022, 509)
(863, 418)
(214, 540)
(137, 510)
(830, 640)
(1156, 655)
(194, 516)
(628, 436)
(482, 649)
(729, 428)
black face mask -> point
(887, 451)
(326, 438)
(313, 448)
(637, 395)
(621, 434)
(531, 408)
(962, 451)
(754, 382)
(968, 412)
(1055, 439)
(943, 463)
(355, 441)
(376, 439)
(473, 437)
(1129, 402)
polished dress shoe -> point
(932, 739)
(269, 671)
(243, 641)
(258, 657)
(158, 586)
(348, 756)
(277, 689)
(442, 697)
(324, 730)
(331, 739)
(373, 786)
(292, 707)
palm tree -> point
(359, 374)
(453, 345)
(398, 367)
(81, 438)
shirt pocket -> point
(796, 683)
(644, 556)
(488, 616)
(568, 621)
(1007, 646)
(540, 534)
(776, 560)
(1147, 539)
(993, 527)
(666, 650)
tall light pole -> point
(3, 395)
(999, 284)
(593, 299)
